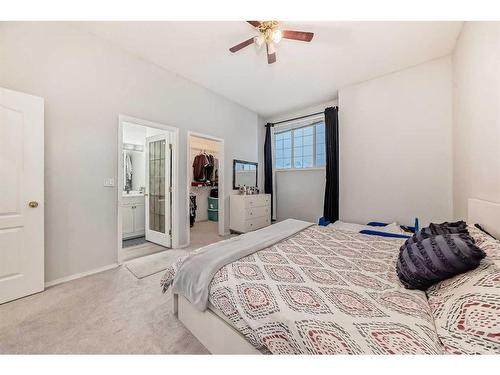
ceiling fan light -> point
(277, 35)
(259, 40)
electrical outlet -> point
(109, 182)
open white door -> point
(159, 189)
(21, 195)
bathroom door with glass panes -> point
(158, 197)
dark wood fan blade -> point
(237, 47)
(303, 36)
(254, 23)
(271, 57)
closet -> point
(203, 169)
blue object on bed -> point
(323, 222)
(383, 234)
(415, 228)
(376, 224)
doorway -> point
(205, 189)
(147, 177)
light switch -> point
(109, 182)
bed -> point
(318, 291)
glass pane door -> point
(157, 154)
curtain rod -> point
(297, 118)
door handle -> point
(146, 195)
(33, 204)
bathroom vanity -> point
(133, 214)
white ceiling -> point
(341, 53)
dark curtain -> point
(268, 165)
(331, 205)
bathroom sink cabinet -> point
(133, 216)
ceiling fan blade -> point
(237, 47)
(271, 57)
(303, 36)
(254, 23)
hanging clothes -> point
(209, 168)
(199, 163)
(128, 166)
(216, 171)
(205, 168)
(192, 209)
(128, 172)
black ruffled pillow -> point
(436, 229)
(426, 259)
(445, 228)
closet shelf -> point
(204, 184)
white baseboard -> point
(80, 275)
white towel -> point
(128, 167)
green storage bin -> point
(213, 204)
(213, 215)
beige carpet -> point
(108, 313)
(151, 264)
(202, 233)
(111, 312)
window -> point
(300, 148)
(283, 149)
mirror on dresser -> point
(244, 174)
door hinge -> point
(170, 232)
(170, 189)
(170, 145)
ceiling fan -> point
(270, 34)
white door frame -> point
(175, 177)
(189, 166)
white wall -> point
(299, 194)
(476, 115)
(395, 146)
(87, 82)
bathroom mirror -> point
(133, 168)
(244, 173)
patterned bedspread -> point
(325, 291)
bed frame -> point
(212, 331)
(485, 213)
(221, 338)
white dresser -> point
(249, 212)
